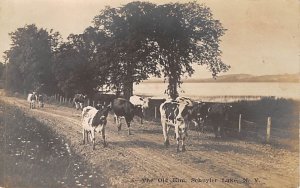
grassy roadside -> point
(32, 155)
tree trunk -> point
(128, 82)
(172, 87)
(128, 89)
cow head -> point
(100, 118)
(146, 102)
(101, 122)
(99, 106)
(227, 110)
(138, 111)
(202, 110)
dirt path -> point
(141, 159)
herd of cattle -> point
(181, 113)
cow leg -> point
(183, 146)
(103, 137)
(142, 115)
(115, 119)
(221, 130)
(215, 130)
(165, 132)
(128, 125)
(177, 137)
(93, 138)
(90, 134)
(83, 135)
(118, 121)
(186, 129)
(87, 136)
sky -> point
(262, 37)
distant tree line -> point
(124, 46)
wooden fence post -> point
(155, 115)
(93, 103)
(60, 98)
(240, 123)
(88, 102)
(269, 129)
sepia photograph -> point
(157, 93)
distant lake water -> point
(286, 90)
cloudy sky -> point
(263, 36)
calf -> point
(140, 102)
(174, 114)
(94, 120)
(123, 108)
(79, 101)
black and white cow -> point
(40, 99)
(196, 114)
(174, 114)
(140, 102)
(93, 121)
(32, 98)
(79, 101)
(218, 116)
(124, 108)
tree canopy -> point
(30, 59)
(147, 39)
(75, 67)
(125, 45)
(130, 47)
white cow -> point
(94, 120)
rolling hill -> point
(242, 78)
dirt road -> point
(140, 160)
